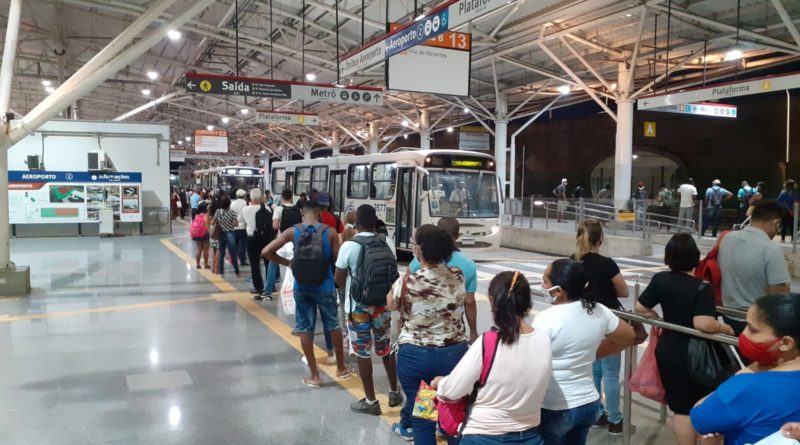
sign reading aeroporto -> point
(447, 16)
(280, 89)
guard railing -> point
(631, 360)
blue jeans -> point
(528, 437)
(228, 241)
(713, 215)
(606, 376)
(569, 426)
(417, 363)
(272, 275)
(241, 245)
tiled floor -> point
(122, 342)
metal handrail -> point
(630, 356)
(730, 311)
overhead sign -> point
(73, 197)
(649, 129)
(264, 116)
(702, 109)
(177, 156)
(206, 141)
(447, 16)
(445, 60)
(744, 88)
(473, 138)
(280, 89)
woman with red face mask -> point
(763, 397)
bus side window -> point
(302, 180)
(358, 181)
(383, 181)
(319, 179)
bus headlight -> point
(495, 230)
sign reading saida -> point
(236, 86)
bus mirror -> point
(425, 183)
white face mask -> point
(548, 293)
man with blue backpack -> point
(316, 246)
(715, 195)
(366, 268)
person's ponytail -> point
(590, 234)
(511, 300)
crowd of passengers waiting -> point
(549, 378)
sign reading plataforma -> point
(744, 88)
(268, 117)
(473, 138)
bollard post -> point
(796, 207)
(627, 408)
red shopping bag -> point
(646, 380)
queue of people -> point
(549, 383)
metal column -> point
(425, 130)
(500, 139)
(623, 156)
(336, 142)
(6, 75)
(373, 137)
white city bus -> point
(230, 178)
(407, 187)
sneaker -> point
(602, 422)
(615, 429)
(363, 407)
(265, 296)
(258, 297)
(404, 433)
(395, 398)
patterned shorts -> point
(367, 324)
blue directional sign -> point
(417, 33)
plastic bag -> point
(425, 403)
(711, 363)
(287, 293)
(646, 380)
(287, 251)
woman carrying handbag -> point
(507, 407)
(685, 301)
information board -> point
(214, 141)
(39, 197)
(473, 138)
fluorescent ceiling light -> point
(635, 157)
(50, 90)
(210, 128)
(311, 77)
(732, 55)
(180, 142)
(404, 123)
(47, 83)
(225, 119)
(188, 138)
(405, 136)
(564, 89)
(245, 111)
(173, 34)
(466, 110)
(263, 152)
(146, 92)
(152, 75)
(449, 129)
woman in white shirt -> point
(581, 330)
(507, 409)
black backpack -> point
(310, 266)
(290, 217)
(264, 230)
(376, 271)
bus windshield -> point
(231, 183)
(463, 194)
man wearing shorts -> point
(561, 192)
(367, 325)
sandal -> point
(311, 383)
(348, 373)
